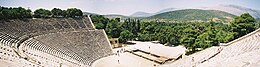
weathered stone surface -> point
(51, 42)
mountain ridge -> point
(230, 9)
(234, 9)
(146, 14)
(191, 15)
(141, 14)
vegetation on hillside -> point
(192, 35)
(191, 15)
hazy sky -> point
(125, 7)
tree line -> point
(192, 35)
(20, 12)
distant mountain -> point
(88, 13)
(234, 9)
(112, 16)
(145, 14)
(216, 13)
(191, 15)
(141, 14)
(166, 10)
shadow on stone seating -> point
(24, 19)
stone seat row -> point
(72, 40)
(8, 40)
(20, 27)
(241, 46)
(80, 46)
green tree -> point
(143, 37)
(113, 28)
(74, 12)
(14, 13)
(5, 13)
(224, 37)
(56, 12)
(21, 12)
(100, 21)
(173, 39)
(188, 42)
(117, 19)
(42, 13)
(243, 24)
(1, 13)
(133, 25)
(64, 13)
(125, 35)
(188, 39)
(206, 40)
(99, 26)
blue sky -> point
(125, 7)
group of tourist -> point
(122, 50)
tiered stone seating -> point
(54, 41)
(74, 24)
(237, 50)
(85, 46)
(6, 27)
(23, 27)
(8, 57)
(243, 51)
(88, 23)
(55, 24)
(49, 49)
(63, 22)
(194, 58)
(8, 40)
(81, 24)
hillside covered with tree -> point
(191, 15)
(192, 35)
